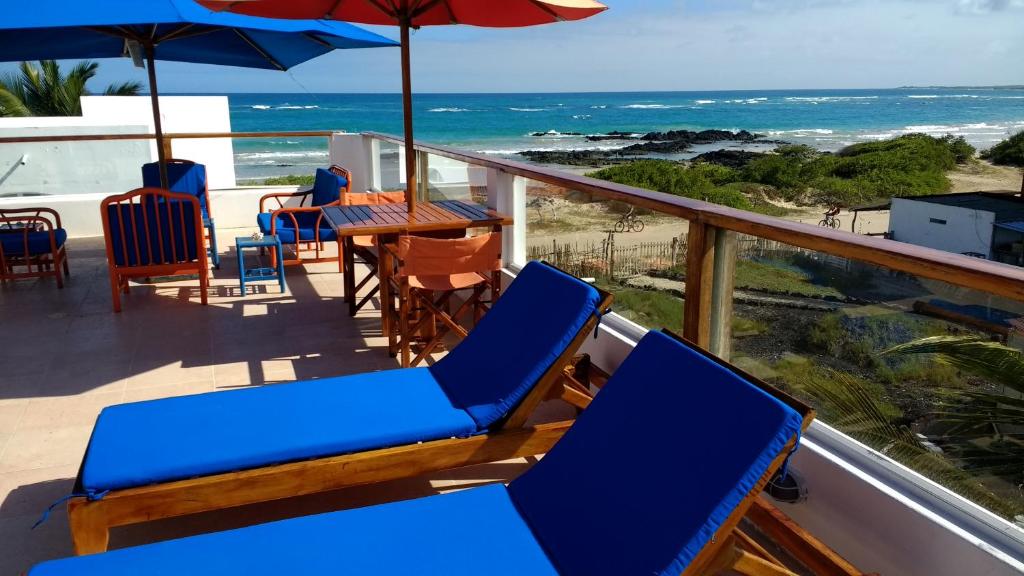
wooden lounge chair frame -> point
(730, 548)
(120, 274)
(90, 520)
(46, 264)
(289, 213)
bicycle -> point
(629, 223)
(830, 220)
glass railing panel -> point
(275, 160)
(391, 163)
(449, 179)
(824, 328)
(73, 167)
(636, 254)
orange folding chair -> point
(365, 247)
(426, 274)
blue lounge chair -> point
(182, 455)
(304, 225)
(656, 480)
(187, 177)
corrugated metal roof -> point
(1015, 225)
(1007, 208)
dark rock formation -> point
(732, 158)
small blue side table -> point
(262, 273)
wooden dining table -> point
(387, 221)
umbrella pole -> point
(155, 101)
(410, 152)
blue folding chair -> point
(187, 177)
(652, 478)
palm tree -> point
(44, 91)
(1009, 152)
(850, 404)
(985, 426)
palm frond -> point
(123, 89)
(989, 360)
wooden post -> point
(722, 293)
(162, 146)
(611, 255)
(410, 152)
(700, 260)
(423, 170)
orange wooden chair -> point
(365, 247)
(153, 232)
(425, 275)
(33, 239)
(303, 227)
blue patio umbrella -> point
(177, 30)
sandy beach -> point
(563, 220)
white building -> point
(983, 224)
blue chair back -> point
(655, 465)
(327, 187)
(149, 227)
(516, 342)
(183, 176)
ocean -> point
(505, 124)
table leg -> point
(280, 270)
(350, 276)
(385, 265)
(241, 269)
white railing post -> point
(373, 149)
(506, 193)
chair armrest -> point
(288, 214)
(279, 195)
(47, 215)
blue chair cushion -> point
(533, 322)
(175, 438)
(13, 241)
(307, 223)
(183, 178)
(327, 187)
(466, 533)
(172, 236)
(655, 465)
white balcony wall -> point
(201, 114)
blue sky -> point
(668, 45)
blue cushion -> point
(163, 219)
(657, 462)
(13, 241)
(512, 346)
(307, 222)
(183, 178)
(466, 533)
(174, 438)
(327, 187)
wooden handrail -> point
(167, 136)
(984, 275)
(975, 273)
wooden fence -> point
(611, 258)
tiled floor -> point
(64, 355)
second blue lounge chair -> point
(176, 456)
(650, 480)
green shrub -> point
(958, 146)
(1009, 152)
(700, 181)
(292, 180)
(783, 172)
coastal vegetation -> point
(44, 90)
(910, 165)
(1009, 152)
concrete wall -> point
(965, 230)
